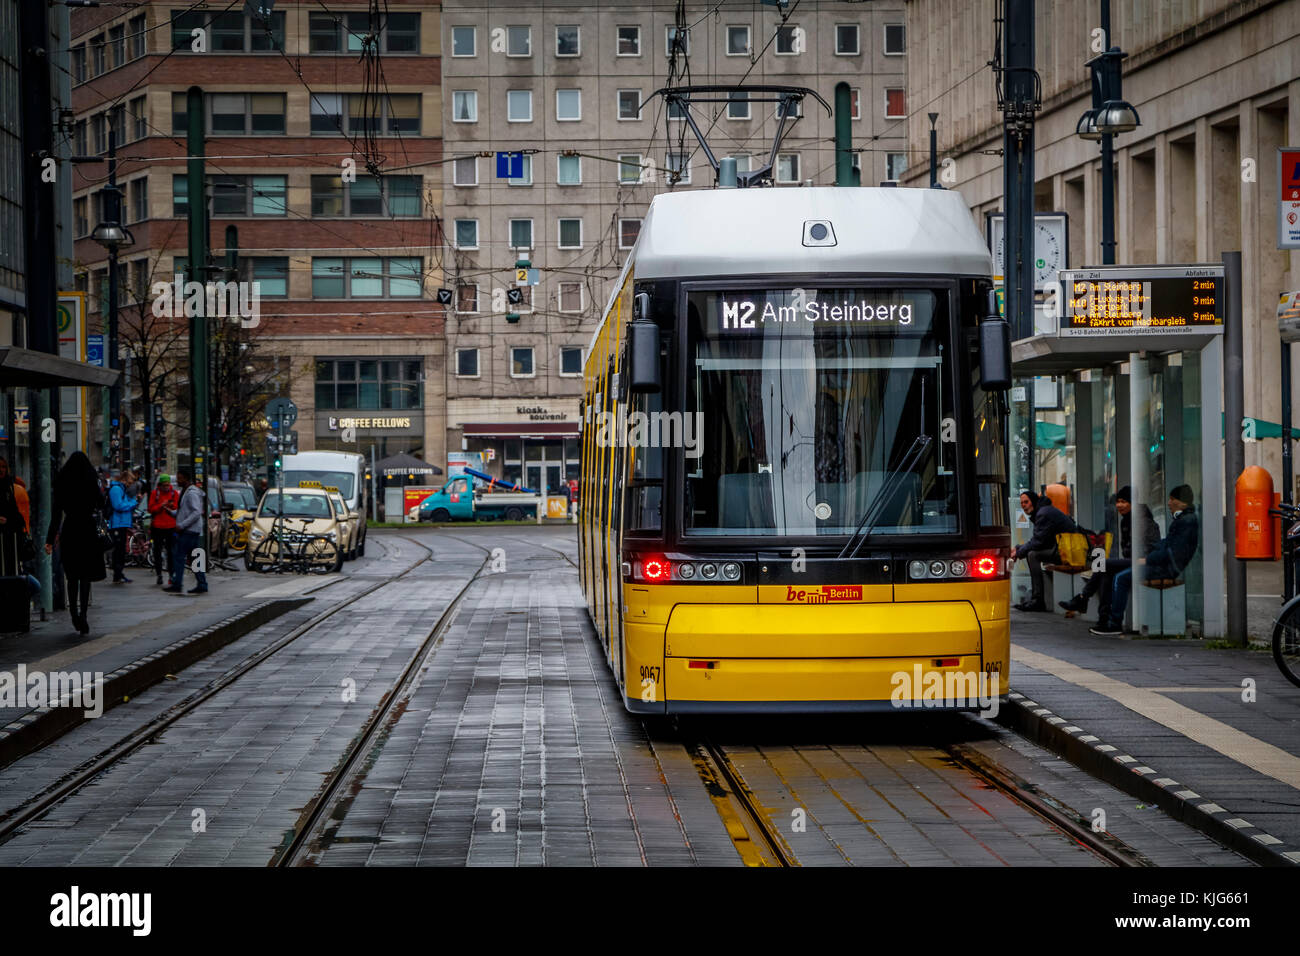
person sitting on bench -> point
(1165, 562)
(1040, 549)
(1100, 583)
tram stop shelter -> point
(1138, 355)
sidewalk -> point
(1210, 734)
(138, 635)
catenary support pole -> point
(196, 271)
(1288, 482)
(1234, 449)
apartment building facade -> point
(569, 84)
(298, 122)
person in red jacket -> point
(163, 502)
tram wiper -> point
(868, 522)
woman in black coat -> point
(77, 501)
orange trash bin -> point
(1253, 498)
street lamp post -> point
(1110, 115)
(112, 235)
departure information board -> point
(1138, 300)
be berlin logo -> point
(234, 300)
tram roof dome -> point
(705, 232)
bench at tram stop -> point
(1073, 550)
(1162, 585)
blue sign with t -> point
(510, 165)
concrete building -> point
(1215, 85)
(569, 83)
(347, 263)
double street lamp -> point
(113, 236)
(1109, 116)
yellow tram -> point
(794, 492)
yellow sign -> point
(521, 276)
(557, 507)
(309, 484)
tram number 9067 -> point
(649, 673)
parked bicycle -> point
(294, 549)
(1286, 629)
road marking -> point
(1234, 744)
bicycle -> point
(1286, 629)
(139, 548)
(285, 549)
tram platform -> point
(1208, 732)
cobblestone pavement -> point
(512, 747)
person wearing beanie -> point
(1166, 560)
(1040, 549)
(1101, 582)
(163, 502)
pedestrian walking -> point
(74, 524)
(122, 509)
(189, 523)
(13, 529)
(163, 502)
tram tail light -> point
(656, 569)
(985, 566)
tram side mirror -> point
(995, 349)
(643, 357)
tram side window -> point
(989, 428)
(645, 485)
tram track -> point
(13, 820)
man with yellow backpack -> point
(1040, 549)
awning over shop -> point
(25, 368)
(395, 466)
(520, 430)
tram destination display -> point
(1136, 300)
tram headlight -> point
(916, 569)
(958, 568)
(731, 571)
(938, 569)
(708, 570)
(686, 570)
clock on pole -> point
(1051, 245)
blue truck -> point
(463, 499)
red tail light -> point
(985, 566)
(656, 569)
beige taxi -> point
(298, 529)
(349, 524)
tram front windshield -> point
(807, 401)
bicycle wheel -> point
(319, 554)
(1286, 641)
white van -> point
(343, 470)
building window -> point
(521, 362)
(569, 171)
(855, 103)
(525, 303)
(787, 168)
(675, 110)
(895, 165)
(180, 196)
(846, 39)
(97, 56)
(629, 167)
(466, 233)
(521, 233)
(81, 220)
(244, 114)
(139, 123)
(628, 230)
(79, 63)
(525, 178)
(139, 199)
(464, 106)
(463, 41)
(570, 233)
(99, 132)
(238, 196)
(347, 383)
(679, 167)
(895, 39)
(326, 113)
(519, 106)
(895, 104)
(464, 171)
(117, 45)
(738, 106)
(228, 31)
(467, 298)
(135, 35)
(629, 104)
(794, 110)
(571, 360)
(629, 41)
(348, 32)
(677, 42)
(366, 278)
(271, 273)
(743, 162)
(467, 363)
(567, 41)
(519, 41)
(391, 196)
(568, 105)
(570, 296)
(789, 40)
(388, 115)
(738, 41)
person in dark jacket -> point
(1040, 549)
(1101, 582)
(12, 525)
(1166, 560)
(76, 501)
